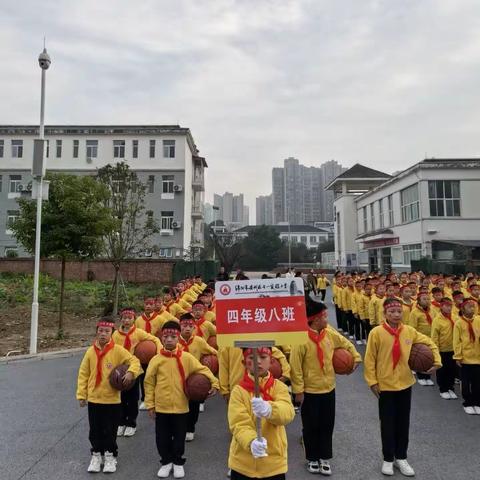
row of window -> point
(444, 201)
(314, 239)
(401, 255)
(91, 147)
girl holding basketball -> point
(389, 376)
(313, 383)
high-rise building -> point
(231, 210)
(246, 215)
(264, 210)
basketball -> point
(116, 378)
(145, 351)
(211, 362)
(275, 368)
(342, 361)
(212, 341)
(421, 358)
(197, 387)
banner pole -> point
(258, 421)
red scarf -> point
(249, 385)
(148, 320)
(198, 324)
(100, 354)
(127, 344)
(168, 305)
(426, 313)
(177, 354)
(449, 318)
(471, 332)
(436, 304)
(396, 349)
(316, 338)
(185, 344)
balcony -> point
(197, 211)
(197, 239)
(198, 180)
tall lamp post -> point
(38, 171)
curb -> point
(42, 356)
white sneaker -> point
(229, 473)
(130, 431)
(325, 468)
(477, 409)
(201, 408)
(351, 337)
(142, 406)
(422, 382)
(359, 342)
(313, 467)
(110, 465)
(95, 463)
(452, 394)
(178, 471)
(165, 470)
(430, 382)
(121, 431)
(364, 342)
(189, 437)
(469, 410)
(387, 468)
(445, 395)
(404, 467)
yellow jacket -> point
(175, 309)
(322, 283)
(363, 309)
(306, 375)
(418, 320)
(357, 302)
(442, 333)
(197, 347)
(347, 299)
(231, 367)
(157, 323)
(406, 309)
(210, 317)
(464, 350)
(136, 337)
(378, 364)
(241, 421)
(163, 383)
(375, 310)
(87, 374)
(207, 328)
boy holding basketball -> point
(94, 389)
(313, 383)
(251, 457)
(204, 328)
(166, 399)
(388, 374)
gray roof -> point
(360, 171)
(285, 229)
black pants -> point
(470, 377)
(130, 406)
(170, 431)
(350, 317)
(238, 476)
(339, 316)
(446, 374)
(323, 292)
(368, 327)
(394, 410)
(193, 412)
(423, 376)
(318, 421)
(104, 419)
(141, 378)
(360, 329)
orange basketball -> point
(212, 341)
(275, 368)
(145, 351)
(211, 362)
(197, 387)
(116, 378)
(342, 361)
(421, 358)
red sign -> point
(381, 242)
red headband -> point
(422, 294)
(467, 300)
(391, 305)
(149, 301)
(128, 313)
(105, 324)
(445, 301)
(458, 295)
(187, 321)
(170, 331)
(260, 351)
(473, 285)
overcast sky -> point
(383, 83)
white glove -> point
(261, 408)
(259, 448)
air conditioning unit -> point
(147, 253)
(89, 159)
(176, 225)
(21, 188)
(178, 188)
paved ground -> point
(44, 434)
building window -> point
(390, 210)
(12, 216)
(365, 223)
(134, 148)
(444, 196)
(167, 183)
(76, 145)
(58, 150)
(372, 217)
(166, 221)
(412, 252)
(2, 143)
(92, 148)
(380, 209)
(17, 148)
(14, 183)
(294, 239)
(151, 184)
(303, 239)
(410, 204)
(313, 239)
(119, 149)
(169, 149)
(11, 252)
(165, 253)
(152, 148)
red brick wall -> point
(137, 271)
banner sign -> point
(270, 310)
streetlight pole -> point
(44, 62)
(287, 218)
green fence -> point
(428, 265)
(206, 268)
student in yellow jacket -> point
(375, 312)
(407, 303)
(209, 315)
(166, 400)
(170, 304)
(357, 306)
(388, 375)
(366, 297)
(129, 336)
(337, 301)
(251, 457)
(204, 328)
(442, 336)
(474, 290)
(162, 311)
(313, 383)
(466, 352)
(322, 284)
(149, 320)
(104, 403)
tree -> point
(134, 226)
(323, 247)
(228, 248)
(300, 253)
(261, 248)
(74, 222)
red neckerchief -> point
(396, 349)
(436, 304)
(198, 324)
(184, 343)
(100, 354)
(177, 355)
(148, 320)
(449, 318)
(471, 332)
(426, 313)
(127, 343)
(249, 385)
(316, 338)
(168, 305)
